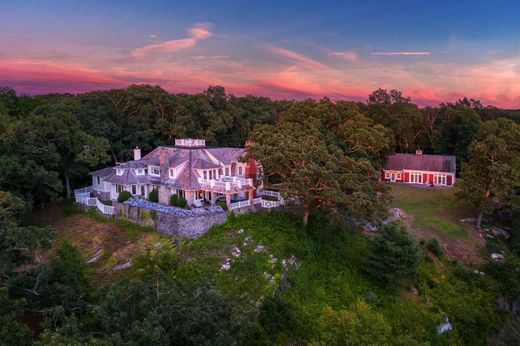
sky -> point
(433, 51)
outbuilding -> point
(420, 169)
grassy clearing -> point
(435, 214)
(433, 208)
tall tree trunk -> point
(478, 223)
(67, 183)
(112, 152)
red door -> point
(449, 180)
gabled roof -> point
(433, 163)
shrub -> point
(394, 255)
(178, 201)
(222, 204)
(435, 247)
(182, 202)
(153, 196)
(123, 196)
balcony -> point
(224, 184)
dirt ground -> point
(111, 242)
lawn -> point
(434, 213)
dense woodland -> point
(327, 154)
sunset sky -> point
(433, 51)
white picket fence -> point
(83, 197)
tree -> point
(324, 154)
(394, 255)
(18, 243)
(456, 131)
(491, 177)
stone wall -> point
(176, 226)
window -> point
(172, 172)
(142, 190)
(214, 174)
(398, 176)
(387, 175)
(180, 193)
(227, 171)
(439, 179)
(416, 177)
(98, 181)
(134, 189)
(119, 171)
(119, 188)
(240, 170)
(139, 171)
(210, 175)
(205, 174)
(154, 170)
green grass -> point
(329, 273)
(443, 225)
(432, 208)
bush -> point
(222, 204)
(123, 196)
(153, 196)
(435, 247)
(394, 255)
(178, 201)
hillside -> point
(280, 278)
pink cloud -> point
(297, 57)
(199, 31)
(347, 55)
(401, 53)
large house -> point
(189, 169)
(431, 170)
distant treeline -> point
(49, 142)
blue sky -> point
(435, 51)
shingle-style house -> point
(190, 169)
(431, 170)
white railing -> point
(105, 209)
(83, 197)
(270, 193)
(83, 190)
(257, 200)
(240, 204)
(224, 184)
(270, 204)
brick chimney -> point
(418, 152)
(137, 154)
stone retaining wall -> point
(176, 226)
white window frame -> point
(416, 177)
(387, 175)
(153, 168)
(398, 176)
(139, 171)
(119, 171)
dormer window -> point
(139, 171)
(155, 170)
(119, 171)
(172, 173)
